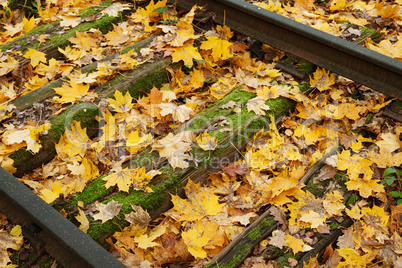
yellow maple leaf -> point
(72, 54)
(268, 92)
(108, 126)
(8, 64)
(297, 245)
(339, 4)
(48, 13)
(74, 142)
(353, 259)
(49, 195)
(121, 104)
(354, 165)
(142, 178)
(203, 235)
(206, 142)
(322, 80)
(69, 20)
(148, 14)
(35, 56)
(354, 213)
(35, 82)
(187, 53)
(136, 143)
(53, 69)
(377, 217)
(83, 220)
(34, 133)
(200, 202)
(389, 142)
(83, 41)
(7, 164)
(387, 11)
(333, 203)
(393, 50)
(22, 137)
(306, 202)
(220, 48)
(146, 240)
(71, 92)
(313, 218)
(304, 4)
(8, 241)
(171, 143)
(127, 61)
(221, 88)
(28, 24)
(117, 37)
(366, 187)
(126, 177)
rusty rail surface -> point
(47, 227)
(358, 63)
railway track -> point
(48, 230)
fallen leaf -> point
(83, 220)
(108, 211)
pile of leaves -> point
(332, 114)
(201, 225)
(374, 24)
(10, 238)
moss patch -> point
(146, 200)
(306, 67)
(104, 25)
(82, 112)
(315, 188)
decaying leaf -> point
(108, 211)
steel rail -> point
(358, 63)
(61, 238)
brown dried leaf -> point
(108, 211)
(327, 172)
(346, 240)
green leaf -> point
(388, 181)
(396, 194)
(389, 171)
(161, 10)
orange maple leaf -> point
(71, 91)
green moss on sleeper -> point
(21, 153)
(93, 191)
(353, 198)
(145, 200)
(306, 67)
(83, 112)
(256, 232)
(315, 188)
(104, 25)
(136, 88)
